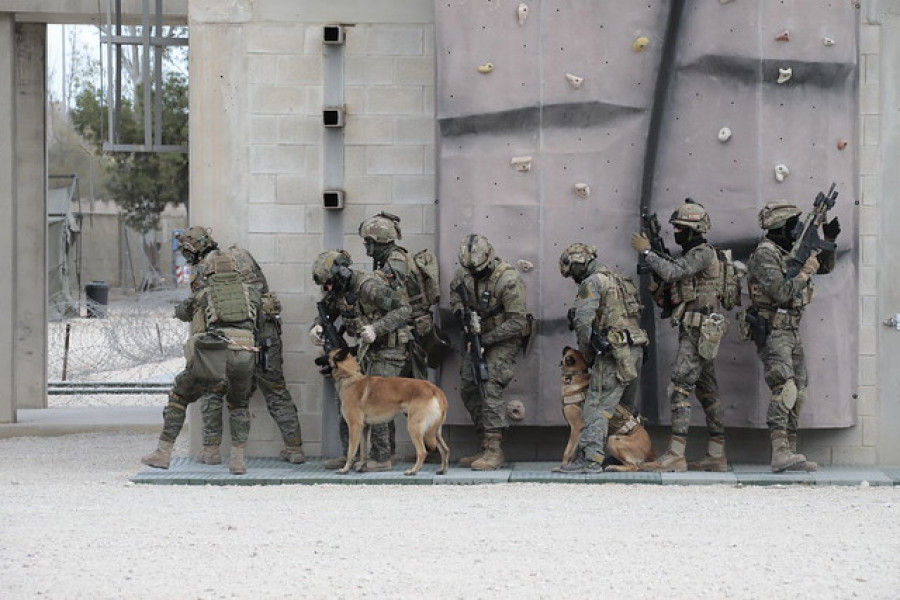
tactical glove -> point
(640, 242)
(367, 335)
(810, 267)
(832, 229)
(315, 335)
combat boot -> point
(375, 466)
(782, 457)
(237, 465)
(715, 457)
(466, 461)
(335, 463)
(492, 458)
(210, 455)
(161, 457)
(672, 461)
(792, 444)
(294, 455)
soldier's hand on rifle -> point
(315, 335)
(367, 334)
(810, 267)
(640, 242)
(831, 229)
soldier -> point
(377, 315)
(200, 249)
(220, 354)
(779, 301)
(605, 319)
(496, 294)
(695, 281)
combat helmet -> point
(196, 242)
(475, 252)
(576, 254)
(775, 214)
(332, 266)
(382, 228)
(691, 215)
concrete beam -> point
(7, 218)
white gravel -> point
(73, 526)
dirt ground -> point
(73, 526)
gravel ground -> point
(73, 526)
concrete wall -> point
(8, 204)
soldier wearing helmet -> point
(496, 293)
(196, 243)
(695, 282)
(377, 315)
(605, 318)
(779, 301)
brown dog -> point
(628, 443)
(368, 400)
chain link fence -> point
(125, 353)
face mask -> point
(577, 271)
(683, 236)
(189, 256)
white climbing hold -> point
(522, 12)
(582, 190)
(486, 68)
(574, 80)
(785, 74)
(781, 171)
(521, 163)
(828, 41)
(525, 265)
(724, 134)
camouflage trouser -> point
(784, 369)
(272, 385)
(489, 413)
(604, 393)
(693, 373)
(235, 385)
(387, 362)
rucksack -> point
(731, 272)
(229, 301)
(428, 275)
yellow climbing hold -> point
(640, 43)
(486, 68)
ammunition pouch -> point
(620, 342)
(712, 330)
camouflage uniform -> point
(606, 300)
(271, 381)
(367, 300)
(503, 325)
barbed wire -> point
(133, 339)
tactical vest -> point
(358, 310)
(491, 313)
(223, 298)
(758, 295)
(411, 285)
(619, 308)
(702, 290)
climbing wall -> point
(560, 120)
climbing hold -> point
(785, 74)
(841, 144)
(781, 171)
(784, 36)
(828, 41)
(640, 43)
(574, 80)
(522, 12)
(521, 163)
(525, 265)
(724, 134)
(486, 68)
(515, 410)
(582, 190)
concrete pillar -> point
(30, 356)
(7, 218)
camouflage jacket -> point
(402, 275)
(695, 276)
(767, 279)
(369, 300)
(504, 317)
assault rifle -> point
(333, 337)
(263, 359)
(472, 329)
(663, 293)
(807, 232)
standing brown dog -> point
(628, 441)
(369, 400)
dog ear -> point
(340, 355)
(566, 349)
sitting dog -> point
(368, 400)
(628, 444)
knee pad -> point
(787, 395)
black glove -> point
(832, 229)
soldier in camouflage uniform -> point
(695, 281)
(496, 293)
(269, 375)
(780, 300)
(376, 314)
(605, 319)
(224, 313)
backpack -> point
(428, 274)
(731, 272)
(229, 301)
